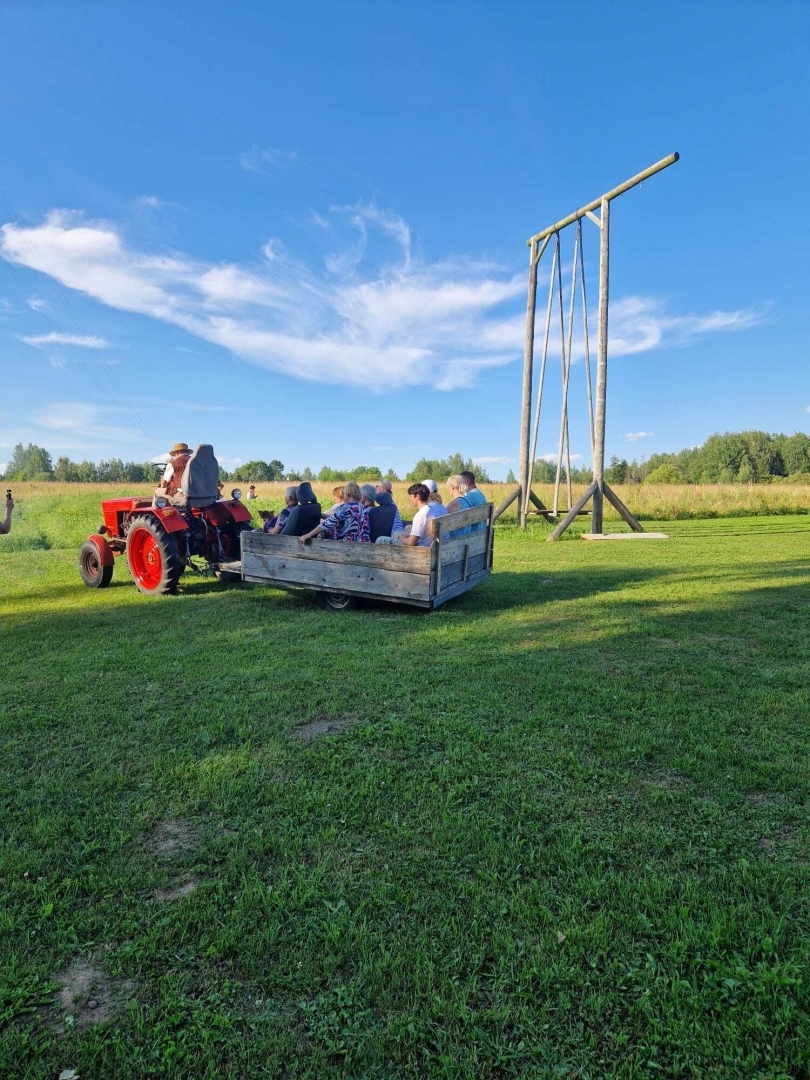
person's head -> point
(220, 485)
(351, 492)
(431, 485)
(418, 494)
(265, 514)
(384, 485)
(179, 449)
(455, 485)
(367, 493)
(305, 493)
(252, 487)
(338, 493)
(436, 497)
(291, 495)
(468, 478)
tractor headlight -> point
(236, 493)
(160, 502)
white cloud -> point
(807, 408)
(641, 323)
(373, 315)
(553, 457)
(492, 459)
(260, 159)
(37, 304)
(150, 202)
(636, 435)
(83, 341)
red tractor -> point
(162, 537)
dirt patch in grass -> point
(172, 838)
(177, 889)
(87, 995)
(324, 725)
(759, 798)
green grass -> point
(564, 834)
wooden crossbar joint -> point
(594, 219)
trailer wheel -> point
(153, 557)
(336, 601)
(229, 577)
(94, 575)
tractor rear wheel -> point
(153, 558)
(93, 573)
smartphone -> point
(8, 494)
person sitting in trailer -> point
(290, 502)
(421, 534)
(347, 522)
(304, 516)
(169, 487)
(386, 488)
(384, 519)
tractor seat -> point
(200, 480)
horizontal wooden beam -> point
(639, 178)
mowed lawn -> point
(558, 828)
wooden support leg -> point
(617, 504)
(590, 490)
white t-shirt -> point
(422, 522)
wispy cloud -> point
(641, 323)
(36, 303)
(634, 436)
(261, 159)
(371, 314)
(553, 457)
(807, 408)
(492, 459)
(82, 341)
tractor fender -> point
(171, 520)
(105, 552)
(237, 510)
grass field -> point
(558, 828)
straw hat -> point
(180, 448)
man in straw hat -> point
(173, 473)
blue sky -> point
(298, 232)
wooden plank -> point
(334, 577)
(462, 587)
(507, 502)
(450, 522)
(434, 568)
(625, 536)
(413, 560)
(461, 570)
(453, 550)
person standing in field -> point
(252, 492)
(5, 524)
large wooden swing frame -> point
(597, 490)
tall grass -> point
(56, 515)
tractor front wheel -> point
(153, 558)
(93, 573)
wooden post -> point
(526, 406)
(601, 368)
(597, 490)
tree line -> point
(34, 462)
(743, 457)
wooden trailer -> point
(423, 577)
